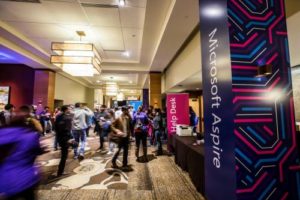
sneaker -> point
(80, 157)
(114, 165)
(109, 152)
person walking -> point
(140, 123)
(79, 129)
(100, 119)
(63, 127)
(19, 147)
(111, 144)
(121, 127)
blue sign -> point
(220, 180)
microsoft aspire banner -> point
(177, 111)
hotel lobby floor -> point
(93, 178)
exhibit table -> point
(190, 158)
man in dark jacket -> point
(63, 127)
(121, 128)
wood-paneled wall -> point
(155, 89)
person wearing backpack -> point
(6, 115)
(63, 127)
(140, 123)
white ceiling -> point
(152, 31)
(113, 30)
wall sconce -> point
(264, 70)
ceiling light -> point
(120, 96)
(122, 2)
(98, 81)
(111, 89)
(197, 88)
(213, 11)
(76, 58)
(126, 53)
(130, 82)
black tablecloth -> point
(190, 158)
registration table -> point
(190, 158)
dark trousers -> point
(101, 139)
(123, 144)
(158, 141)
(27, 194)
(141, 137)
(64, 155)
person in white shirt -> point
(118, 112)
(79, 129)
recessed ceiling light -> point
(126, 53)
(122, 2)
(98, 81)
(130, 82)
(197, 88)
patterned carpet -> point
(93, 178)
(94, 172)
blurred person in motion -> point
(6, 115)
(57, 112)
(111, 144)
(63, 128)
(121, 129)
(89, 119)
(19, 147)
(80, 117)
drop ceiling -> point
(151, 31)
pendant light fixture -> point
(76, 58)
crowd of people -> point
(21, 131)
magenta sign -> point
(177, 111)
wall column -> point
(155, 89)
(44, 87)
(250, 137)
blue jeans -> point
(79, 135)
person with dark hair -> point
(121, 127)
(79, 129)
(157, 129)
(6, 115)
(140, 122)
(193, 119)
(63, 127)
(100, 119)
(19, 147)
(45, 118)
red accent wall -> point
(21, 80)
